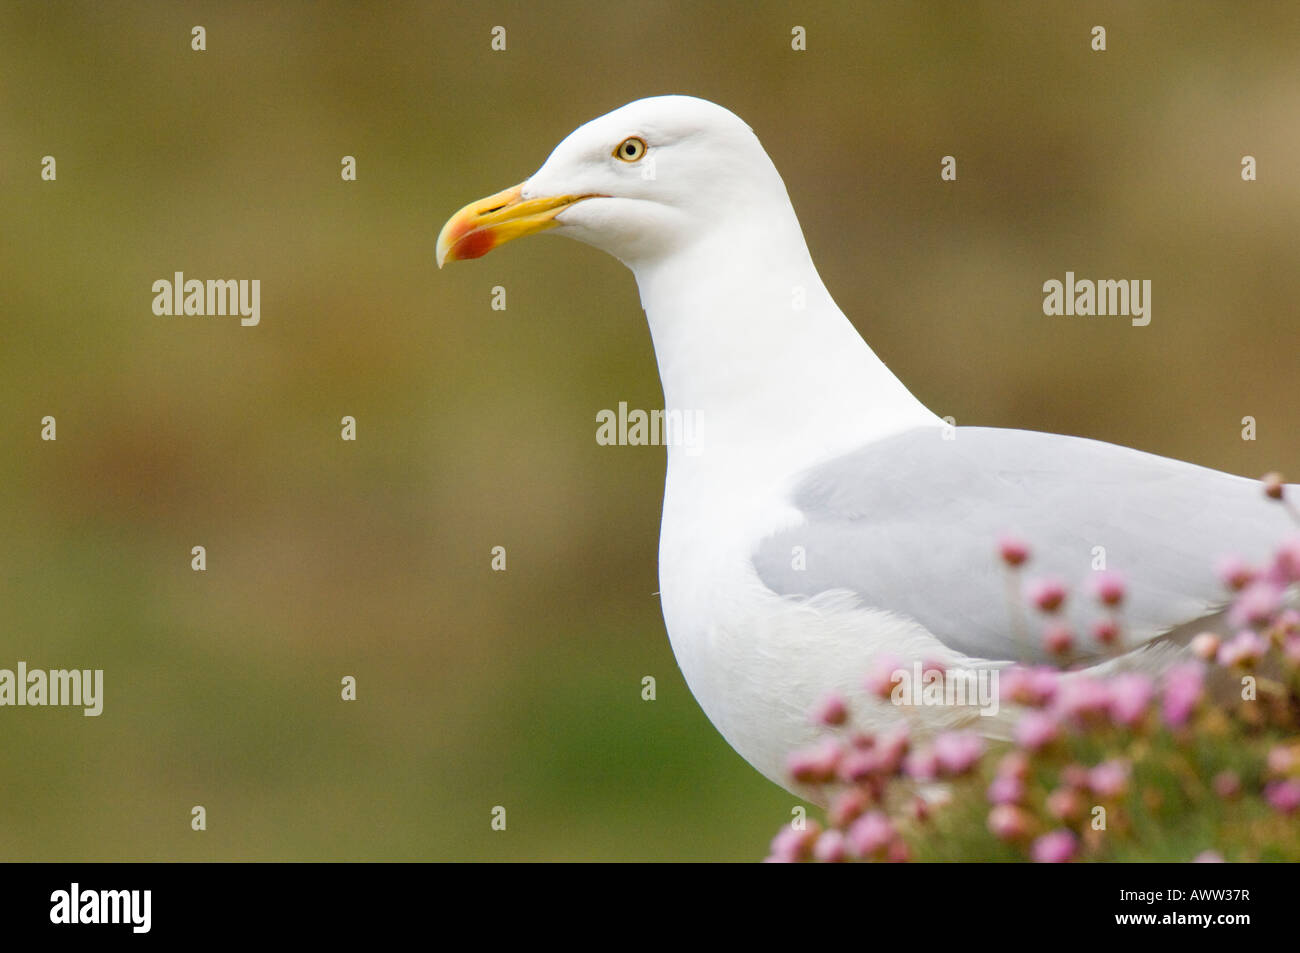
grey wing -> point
(911, 524)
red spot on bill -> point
(474, 244)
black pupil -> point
(629, 148)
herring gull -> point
(828, 518)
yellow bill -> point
(483, 225)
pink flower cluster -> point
(858, 768)
(1042, 793)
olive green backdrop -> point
(476, 428)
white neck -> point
(748, 338)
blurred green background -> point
(476, 428)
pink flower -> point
(1109, 779)
(931, 665)
(958, 751)
(1082, 697)
(1047, 594)
(920, 809)
(870, 834)
(1183, 685)
(830, 848)
(921, 765)
(898, 852)
(1286, 562)
(862, 739)
(1006, 790)
(1106, 631)
(857, 764)
(1075, 776)
(847, 807)
(1235, 572)
(1108, 587)
(1291, 649)
(1257, 603)
(1058, 638)
(1008, 822)
(891, 747)
(1281, 760)
(831, 710)
(1034, 687)
(1205, 646)
(880, 679)
(1284, 796)
(791, 845)
(1045, 682)
(1208, 857)
(1065, 804)
(1013, 684)
(1013, 550)
(1245, 649)
(815, 765)
(1130, 694)
(1226, 785)
(1058, 847)
(1035, 730)
(1014, 764)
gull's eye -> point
(630, 149)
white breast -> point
(757, 663)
